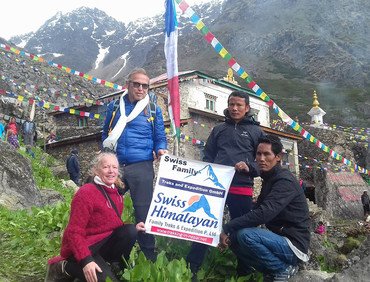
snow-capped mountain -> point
(89, 40)
(291, 47)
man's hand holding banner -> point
(189, 199)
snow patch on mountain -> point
(102, 53)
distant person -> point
(365, 203)
(12, 139)
(233, 143)
(95, 240)
(51, 138)
(12, 126)
(2, 131)
(134, 129)
(73, 167)
(320, 229)
(28, 132)
(303, 185)
(282, 208)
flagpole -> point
(170, 50)
(175, 146)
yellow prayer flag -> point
(244, 75)
(199, 25)
(223, 52)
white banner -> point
(189, 199)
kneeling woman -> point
(95, 237)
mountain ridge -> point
(291, 47)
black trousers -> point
(238, 205)
(106, 252)
(139, 178)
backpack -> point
(28, 127)
(152, 108)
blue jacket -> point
(138, 141)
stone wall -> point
(65, 132)
(66, 119)
(342, 194)
(337, 189)
(87, 150)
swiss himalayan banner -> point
(189, 199)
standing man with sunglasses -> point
(137, 136)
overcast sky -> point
(19, 17)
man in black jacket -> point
(233, 143)
(282, 208)
(73, 167)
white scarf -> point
(111, 141)
(98, 180)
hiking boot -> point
(55, 272)
(281, 276)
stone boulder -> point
(17, 185)
(312, 276)
(51, 197)
(341, 195)
(358, 272)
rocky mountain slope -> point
(290, 47)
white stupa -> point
(316, 112)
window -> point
(82, 122)
(210, 102)
(210, 105)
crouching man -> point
(282, 208)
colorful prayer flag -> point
(170, 50)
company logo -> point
(199, 202)
(245, 134)
(208, 174)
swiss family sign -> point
(189, 199)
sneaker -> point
(55, 272)
(281, 276)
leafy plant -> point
(325, 265)
(29, 237)
(350, 244)
(128, 211)
(141, 269)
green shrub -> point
(141, 269)
(325, 265)
(29, 238)
(350, 244)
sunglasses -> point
(137, 85)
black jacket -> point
(281, 206)
(73, 165)
(230, 143)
